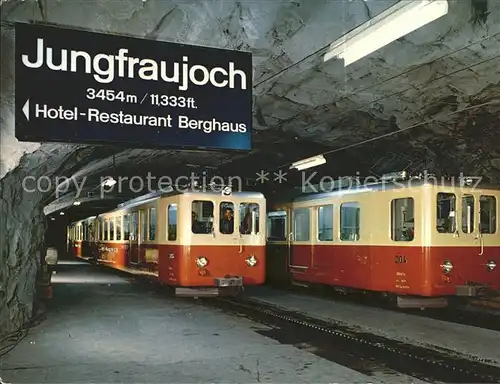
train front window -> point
(467, 214)
(276, 226)
(446, 220)
(488, 214)
(325, 223)
(226, 225)
(249, 218)
(402, 219)
(202, 216)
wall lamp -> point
(390, 25)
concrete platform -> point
(472, 342)
(102, 329)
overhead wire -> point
(403, 91)
(394, 132)
(411, 127)
(413, 87)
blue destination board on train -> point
(84, 87)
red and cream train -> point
(196, 242)
(421, 242)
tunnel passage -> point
(412, 104)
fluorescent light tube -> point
(109, 182)
(392, 24)
(308, 163)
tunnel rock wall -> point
(23, 225)
(11, 149)
(22, 229)
(22, 222)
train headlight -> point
(251, 261)
(447, 266)
(491, 265)
(201, 262)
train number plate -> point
(400, 259)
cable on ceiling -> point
(398, 131)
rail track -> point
(363, 352)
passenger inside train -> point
(196, 225)
(227, 221)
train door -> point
(353, 266)
(299, 240)
(323, 257)
(469, 228)
(134, 239)
(277, 248)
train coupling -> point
(229, 281)
(471, 290)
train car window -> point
(402, 219)
(98, 230)
(325, 223)
(152, 223)
(301, 224)
(488, 214)
(202, 217)
(349, 221)
(172, 222)
(106, 224)
(226, 225)
(249, 218)
(126, 226)
(446, 220)
(92, 231)
(134, 227)
(143, 224)
(467, 214)
(276, 225)
(112, 229)
(119, 227)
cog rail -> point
(420, 362)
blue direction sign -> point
(84, 87)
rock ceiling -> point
(429, 100)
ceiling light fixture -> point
(308, 163)
(390, 25)
(109, 182)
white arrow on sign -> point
(26, 109)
